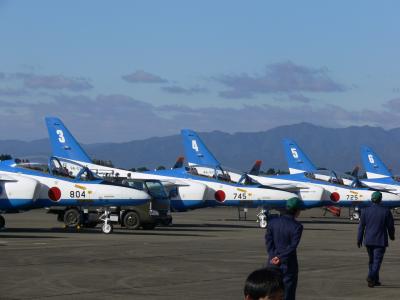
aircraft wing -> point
(272, 183)
(380, 187)
(173, 182)
(4, 177)
(288, 186)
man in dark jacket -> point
(375, 225)
(282, 238)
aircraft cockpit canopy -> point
(70, 169)
(209, 171)
(60, 168)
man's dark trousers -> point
(290, 271)
(376, 226)
(282, 238)
(375, 260)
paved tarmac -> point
(206, 254)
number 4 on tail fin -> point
(196, 152)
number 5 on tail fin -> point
(297, 160)
(63, 143)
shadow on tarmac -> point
(324, 229)
(338, 222)
(68, 232)
(211, 225)
(13, 236)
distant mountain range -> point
(332, 148)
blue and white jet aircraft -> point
(192, 190)
(379, 176)
(202, 161)
(307, 185)
(299, 162)
(25, 186)
(341, 195)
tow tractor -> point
(146, 216)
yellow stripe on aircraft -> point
(78, 186)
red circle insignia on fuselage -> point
(54, 193)
(335, 197)
(220, 196)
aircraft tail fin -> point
(63, 143)
(355, 171)
(179, 163)
(297, 160)
(196, 152)
(373, 165)
(255, 170)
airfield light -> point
(220, 196)
(54, 193)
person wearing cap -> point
(376, 224)
(282, 238)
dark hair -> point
(263, 282)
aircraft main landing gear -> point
(262, 218)
(2, 222)
(107, 227)
(72, 218)
(355, 214)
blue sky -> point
(123, 70)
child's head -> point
(264, 284)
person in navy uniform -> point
(282, 238)
(376, 224)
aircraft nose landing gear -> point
(107, 226)
(355, 214)
(262, 218)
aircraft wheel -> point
(2, 222)
(107, 228)
(132, 220)
(72, 218)
(355, 216)
(263, 223)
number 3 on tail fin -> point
(61, 137)
(194, 146)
